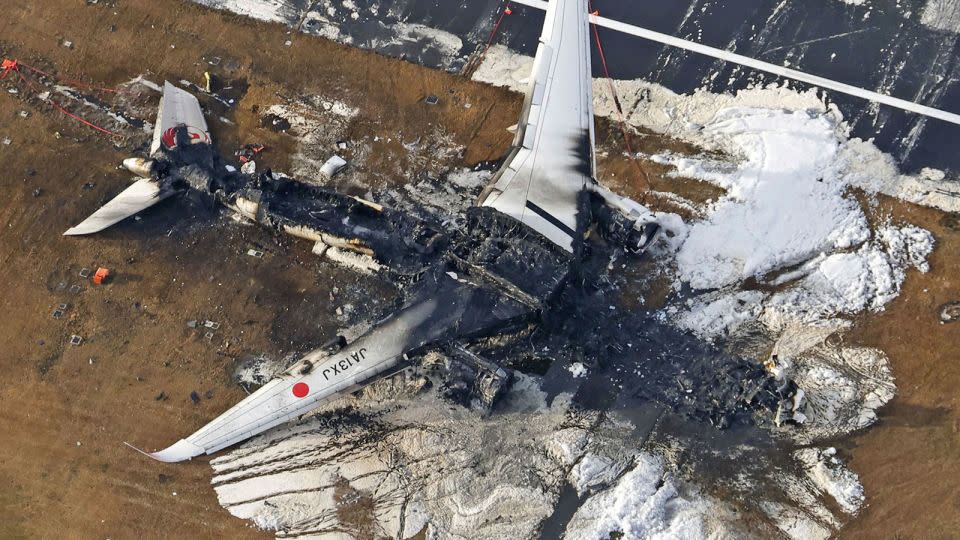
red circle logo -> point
(169, 137)
(301, 389)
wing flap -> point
(141, 195)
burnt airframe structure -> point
(499, 273)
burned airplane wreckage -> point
(514, 269)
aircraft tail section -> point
(178, 108)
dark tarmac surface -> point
(881, 46)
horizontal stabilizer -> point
(142, 194)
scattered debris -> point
(101, 276)
(334, 344)
(332, 166)
(250, 167)
(275, 122)
(319, 248)
(950, 312)
(248, 152)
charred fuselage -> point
(491, 276)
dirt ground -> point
(65, 410)
(909, 462)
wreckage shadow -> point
(901, 414)
(124, 278)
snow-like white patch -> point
(841, 391)
(503, 67)
(448, 44)
(592, 470)
(396, 37)
(867, 168)
(784, 203)
(942, 15)
(788, 220)
(577, 369)
(714, 315)
(851, 282)
(469, 179)
(645, 503)
(404, 36)
(279, 11)
(794, 523)
(828, 473)
(525, 395)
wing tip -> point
(182, 450)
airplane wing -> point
(178, 108)
(314, 380)
(552, 161)
(142, 194)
